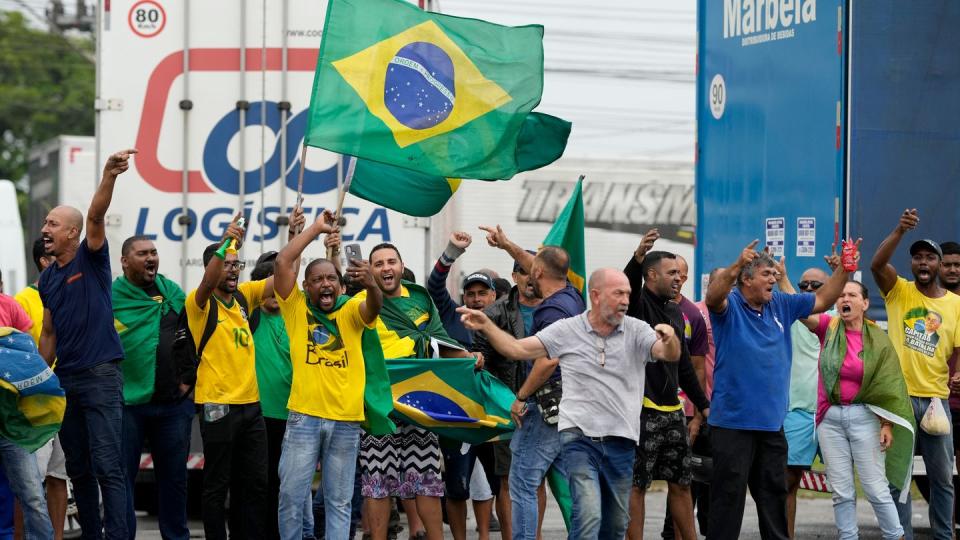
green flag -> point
(31, 400)
(567, 232)
(441, 95)
(448, 397)
(136, 316)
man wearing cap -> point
(923, 320)
(479, 292)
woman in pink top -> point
(864, 417)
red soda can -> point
(848, 256)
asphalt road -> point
(814, 520)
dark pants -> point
(166, 427)
(235, 460)
(458, 470)
(275, 430)
(91, 439)
(742, 458)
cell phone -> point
(353, 252)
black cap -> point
(926, 244)
(479, 277)
(516, 265)
(267, 256)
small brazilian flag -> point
(408, 192)
(567, 232)
(31, 400)
(448, 397)
(441, 95)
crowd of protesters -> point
(608, 399)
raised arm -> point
(723, 283)
(507, 345)
(359, 271)
(96, 214)
(214, 269)
(48, 338)
(498, 239)
(667, 347)
(288, 260)
(828, 294)
(437, 282)
(883, 272)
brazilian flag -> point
(441, 95)
(448, 397)
(31, 400)
(567, 232)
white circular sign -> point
(717, 96)
(147, 18)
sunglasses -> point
(812, 285)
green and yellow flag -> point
(31, 400)
(441, 95)
(408, 192)
(448, 397)
(567, 232)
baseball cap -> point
(267, 256)
(479, 277)
(516, 265)
(927, 244)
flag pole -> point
(343, 195)
(303, 166)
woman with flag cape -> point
(864, 417)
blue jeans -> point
(26, 484)
(601, 475)
(850, 437)
(335, 444)
(535, 446)
(937, 452)
(90, 436)
(167, 428)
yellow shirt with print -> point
(29, 300)
(393, 345)
(924, 331)
(328, 371)
(227, 373)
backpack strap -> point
(209, 328)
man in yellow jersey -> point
(231, 423)
(923, 320)
(50, 456)
(326, 397)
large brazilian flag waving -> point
(437, 94)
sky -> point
(622, 71)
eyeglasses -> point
(235, 265)
(811, 285)
(602, 351)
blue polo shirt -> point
(563, 304)
(78, 296)
(751, 378)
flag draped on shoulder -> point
(882, 389)
(448, 397)
(31, 400)
(422, 333)
(377, 401)
(441, 95)
(136, 316)
(567, 232)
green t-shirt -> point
(274, 371)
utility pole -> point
(60, 21)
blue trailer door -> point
(770, 89)
(904, 125)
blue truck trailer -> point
(820, 119)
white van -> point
(13, 261)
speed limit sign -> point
(147, 18)
(717, 96)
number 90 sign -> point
(147, 18)
(718, 96)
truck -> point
(824, 119)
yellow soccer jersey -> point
(328, 368)
(227, 373)
(29, 299)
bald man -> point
(78, 331)
(603, 354)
